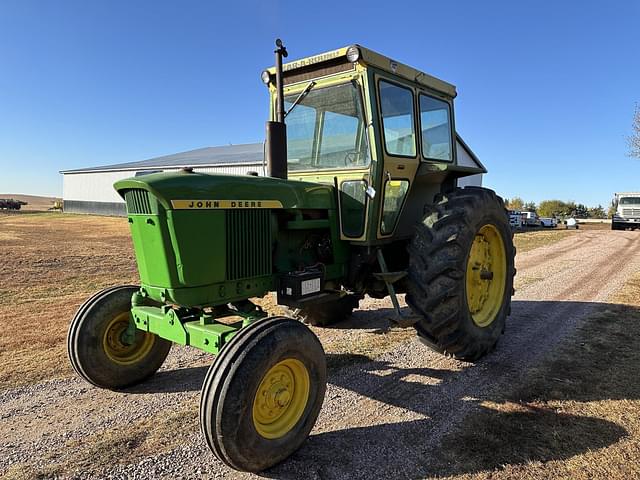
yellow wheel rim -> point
(281, 398)
(486, 275)
(118, 351)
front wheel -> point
(97, 348)
(461, 273)
(263, 393)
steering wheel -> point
(351, 158)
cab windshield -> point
(630, 201)
(326, 129)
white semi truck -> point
(627, 211)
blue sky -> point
(546, 89)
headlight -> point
(353, 54)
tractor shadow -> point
(514, 422)
(379, 320)
(180, 380)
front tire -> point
(461, 273)
(263, 393)
(95, 346)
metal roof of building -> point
(251, 153)
(245, 154)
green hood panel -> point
(186, 186)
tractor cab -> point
(381, 132)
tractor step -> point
(390, 277)
(405, 321)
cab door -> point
(398, 125)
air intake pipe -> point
(276, 131)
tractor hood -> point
(185, 190)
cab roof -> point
(336, 61)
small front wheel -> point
(263, 393)
(97, 348)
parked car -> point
(571, 223)
(550, 222)
(515, 219)
(531, 219)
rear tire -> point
(461, 273)
(263, 393)
(327, 313)
(95, 348)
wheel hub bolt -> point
(486, 275)
(282, 397)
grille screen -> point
(138, 201)
(248, 243)
(631, 212)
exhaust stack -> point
(276, 131)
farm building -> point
(90, 190)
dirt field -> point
(558, 398)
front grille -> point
(137, 201)
(248, 243)
(631, 212)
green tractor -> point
(361, 199)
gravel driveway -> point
(381, 418)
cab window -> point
(326, 129)
(395, 192)
(353, 206)
(396, 109)
(435, 124)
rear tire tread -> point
(436, 280)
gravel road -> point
(380, 419)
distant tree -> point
(597, 212)
(516, 203)
(612, 208)
(634, 139)
(530, 206)
(581, 211)
(552, 208)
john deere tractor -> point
(360, 199)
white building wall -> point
(470, 181)
(98, 186)
(92, 187)
(233, 169)
(465, 160)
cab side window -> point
(436, 128)
(396, 109)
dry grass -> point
(595, 226)
(529, 240)
(576, 416)
(51, 263)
